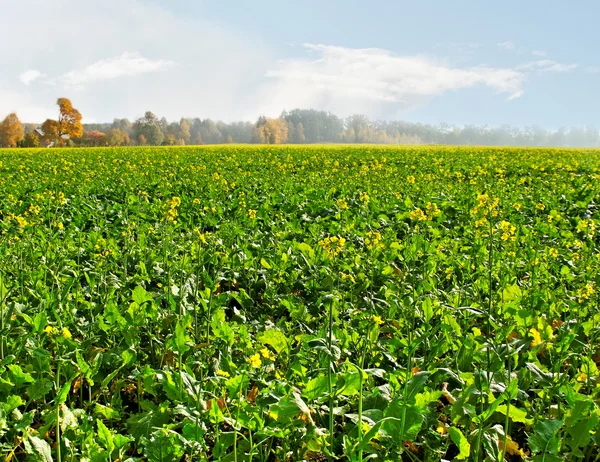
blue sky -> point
(459, 62)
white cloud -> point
(128, 64)
(217, 68)
(362, 80)
(547, 65)
(507, 45)
(30, 76)
(539, 53)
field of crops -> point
(257, 303)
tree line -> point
(297, 126)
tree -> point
(271, 131)
(299, 135)
(31, 140)
(147, 130)
(11, 131)
(68, 124)
(185, 130)
(117, 137)
(95, 138)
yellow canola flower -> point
(223, 373)
(251, 214)
(66, 333)
(267, 354)
(377, 320)
(50, 330)
(441, 428)
(254, 360)
(512, 448)
(537, 338)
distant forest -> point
(311, 126)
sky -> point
(460, 62)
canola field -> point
(247, 303)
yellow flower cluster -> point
(251, 214)
(344, 277)
(202, 237)
(432, 209)
(486, 205)
(508, 230)
(377, 320)
(587, 228)
(364, 198)
(267, 354)
(586, 292)
(373, 240)
(171, 214)
(332, 246)
(255, 360)
(342, 204)
(53, 331)
(418, 215)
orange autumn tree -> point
(11, 131)
(68, 123)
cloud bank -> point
(358, 80)
(126, 65)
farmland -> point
(248, 303)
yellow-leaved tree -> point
(270, 131)
(11, 131)
(68, 124)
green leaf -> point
(289, 407)
(416, 384)
(274, 338)
(181, 337)
(544, 439)
(38, 447)
(39, 389)
(511, 293)
(140, 425)
(140, 296)
(63, 393)
(12, 402)
(162, 446)
(107, 412)
(18, 376)
(264, 263)
(235, 385)
(579, 435)
(461, 442)
(427, 307)
(84, 368)
(306, 250)
(105, 436)
(349, 384)
(408, 423)
(316, 388)
(515, 414)
(68, 420)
